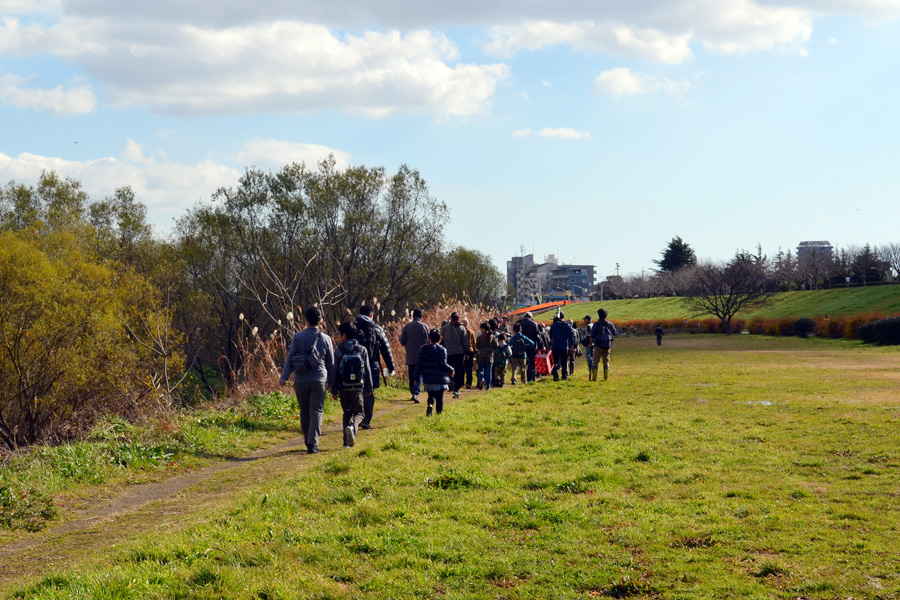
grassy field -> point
(883, 299)
(714, 466)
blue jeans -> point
(415, 385)
(485, 373)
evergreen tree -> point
(676, 256)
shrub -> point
(866, 332)
(804, 327)
(24, 509)
(887, 331)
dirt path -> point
(168, 505)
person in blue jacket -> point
(562, 337)
(432, 367)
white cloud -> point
(281, 66)
(79, 99)
(272, 154)
(832, 40)
(605, 37)
(621, 82)
(167, 188)
(562, 133)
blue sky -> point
(596, 130)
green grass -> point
(883, 299)
(711, 467)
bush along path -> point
(186, 499)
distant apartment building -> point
(820, 251)
(542, 282)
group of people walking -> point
(437, 361)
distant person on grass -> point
(486, 344)
(470, 355)
(501, 357)
(530, 330)
(520, 346)
(588, 344)
(311, 359)
(413, 337)
(602, 333)
(456, 341)
(659, 334)
(432, 367)
(351, 378)
(562, 337)
(373, 339)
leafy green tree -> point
(677, 255)
(474, 278)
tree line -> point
(99, 314)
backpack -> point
(604, 337)
(501, 355)
(353, 372)
(308, 359)
(519, 347)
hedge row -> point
(884, 332)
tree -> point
(473, 277)
(676, 256)
(721, 290)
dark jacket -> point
(530, 346)
(598, 330)
(350, 347)
(431, 365)
(374, 340)
(413, 337)
(486, 344)
(562, 336)
(302, 340)
(530, 330)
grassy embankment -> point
(883, 299)
(715, 466)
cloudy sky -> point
(592, 129)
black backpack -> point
(604, 338)
(353, 372)
(519, 347)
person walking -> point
(562, 336)
(575, 348)
(501, 358)
(530, 330)
(351, 379)
(520, 346)
(310, 358)
(456, 340)
(413, 336)
(433, 369)
(373, 339)
(588, 343)
(486, 344)
(469, 355)
(602, 333)
(659, 334)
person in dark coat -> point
(659, 334)
(530, 330)
(373, 339)
(456, 341)
(351, 399)
(562, 337)
(434, 370)
(413, 337)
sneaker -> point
(513, 382)
(428, 411)
(365, 426)
(415, 399)
(456, 394)
(480, 386)
(349, 436)
(312, 449)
